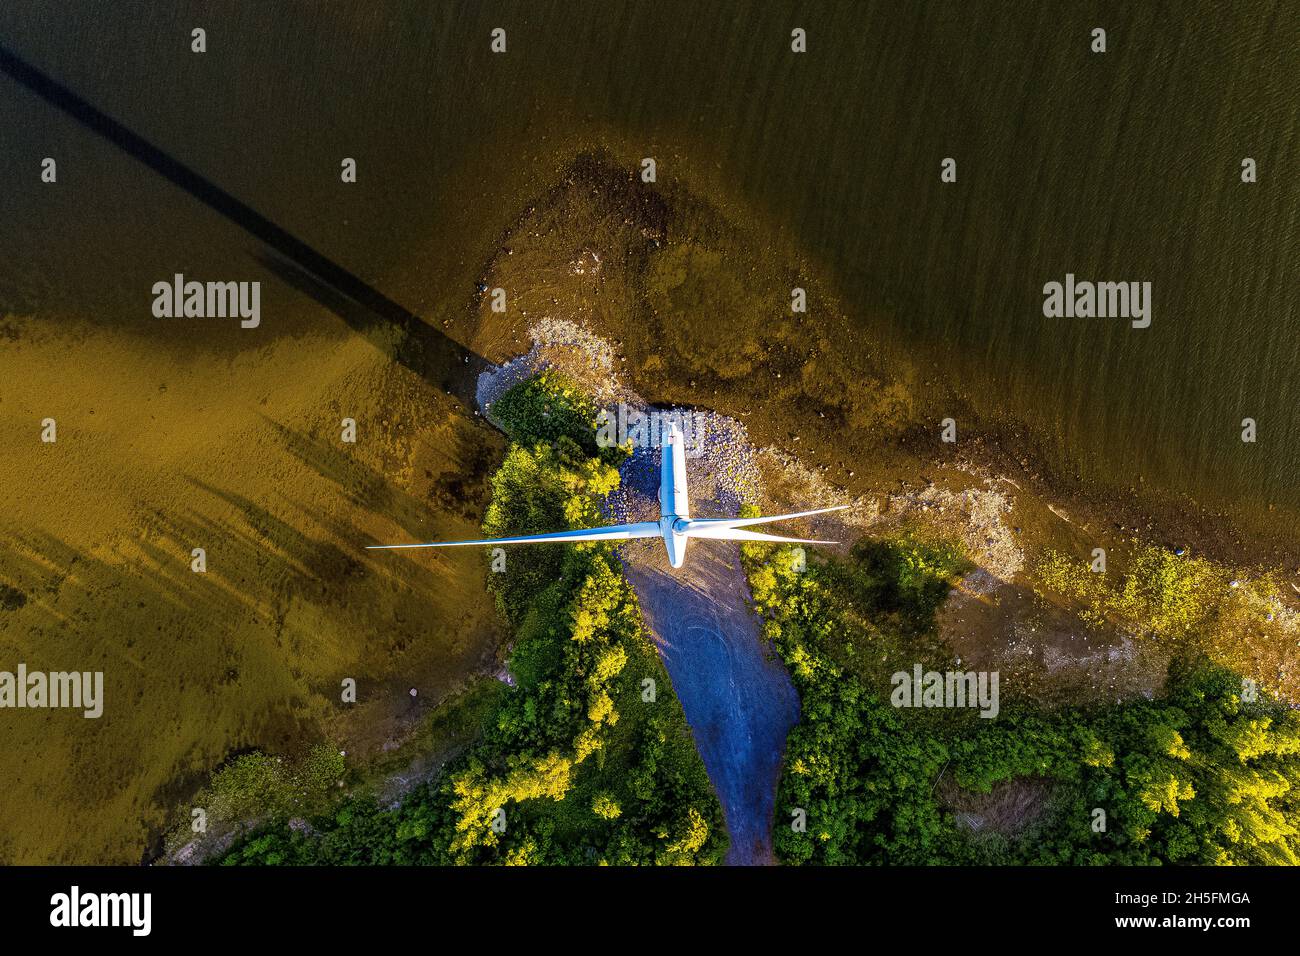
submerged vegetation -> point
(1185, 605)
(1198, 775)
(1163, 594)
(256, 783)
(589, 758)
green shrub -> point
(1195, 776)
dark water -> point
(1122, 166)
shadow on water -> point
(423, 349)
(429, 353)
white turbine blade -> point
(740, 534)
(745, 522)
(618, 532)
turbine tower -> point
(675, 524)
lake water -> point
(1119, 166)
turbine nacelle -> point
(675, 525)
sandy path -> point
(740, 704)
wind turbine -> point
(675, 525)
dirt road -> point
(738, 698)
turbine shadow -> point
(426, 351)
(436, 358)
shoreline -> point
(901, 431)
(854, 429)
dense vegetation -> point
(1198, 775)
(584, 761)
(577, 765)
